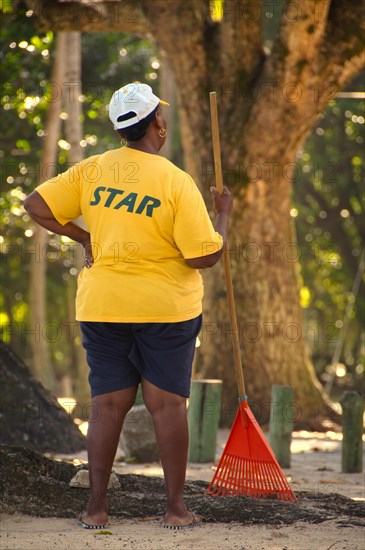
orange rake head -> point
(248, 465)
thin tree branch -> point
(343, 51)
(297, 78)
(344, 41)
(320, 46)
(300, 36)
(100, 16)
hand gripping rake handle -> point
(227, 267)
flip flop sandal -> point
(89, 526)
(194, 522)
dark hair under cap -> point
(138, 131)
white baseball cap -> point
(132, 103)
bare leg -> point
(168, 411)
(105, 424)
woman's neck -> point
(143, 145)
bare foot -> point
(190, 519)
(96, 514)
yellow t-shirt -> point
(145, 217)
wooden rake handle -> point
(227, 267)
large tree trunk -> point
(268, 103)
(167, 93)
(267, 108)
(74, 135)
(41, 366)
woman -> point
(139, 298)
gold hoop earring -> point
(163, 132)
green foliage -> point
(328, 193)
(26, 63)
(329, 211)
(6, 6)
(109, 61)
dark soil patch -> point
(38, 486)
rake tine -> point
(237, 477)
(240, 477)
(269, 481)
(219, 475)
(246, 474)
(255, 478)
(263, 488)
(226, 474)
(244, 478)
(283, 485)
(232, 476)
(275, 479)
(249, 478)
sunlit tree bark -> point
(38, 271)
(167, 93)
(74, 136)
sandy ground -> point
(25, 533)
(316, 466)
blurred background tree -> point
(327, 202)
(27, 59)
(328, 208)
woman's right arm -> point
(223, 204)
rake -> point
(248, 465)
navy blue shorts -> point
(119, 354)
